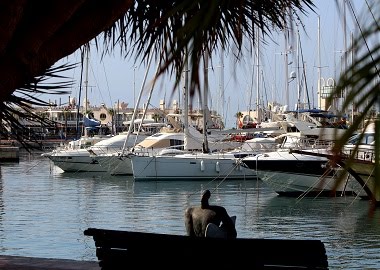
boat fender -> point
(217, 167)
(202, 166)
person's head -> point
(205, 197)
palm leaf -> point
(20, 106)
(42, 32)
(172, 28)
(360, 86)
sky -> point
(114, 78)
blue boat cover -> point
(90, 122)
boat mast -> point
(186, 104)
(205, 107)
(352, 60)
(286, 67)
(137, 104)
(319, 65)
(79, 99)
(86, 88)
(298, 71)
(258, 76)
(345, 43)
(251, 87)
(221, 87)
(147, 103)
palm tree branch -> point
(212, 25)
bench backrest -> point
(120, 249)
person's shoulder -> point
(188, 211)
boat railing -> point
(96, 151)
(142, 151)
(364, 154)
(308, 143)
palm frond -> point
(20, 106)
(360, 85)
(41, 33)
(180, 31)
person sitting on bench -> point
(197, 218)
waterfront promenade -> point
(31, 263)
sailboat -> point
(195, 165)
(190, 166)
(79, 155)
(119, 163)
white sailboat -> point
(73, 156)
(119, 163)
(190, 165)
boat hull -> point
(118, 165)
(298, 175)
(189, 167)
(76, 161)
(295, 185)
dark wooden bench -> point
(138, 250)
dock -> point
(31, 263)
(9, 153)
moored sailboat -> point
(196, 165)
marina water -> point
(43, 213)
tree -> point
(66, 111)
(36, 34)
(111, 112)
(156, 117)
(360, 83)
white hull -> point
(95, 158)
(189, 167)
(117, 165)
(291, 184)
(292, 174)
(76, 161)
(154, 144)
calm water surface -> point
(43, 213)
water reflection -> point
(342, 223)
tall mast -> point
(345, 55)
(352, 60)
(221, 86)
(344, 42)
(298, 71)
(137, 104)
(319, 65)
(205, 107)
(258, 76)
(286, 68)
(186, 103)
(86, 87)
